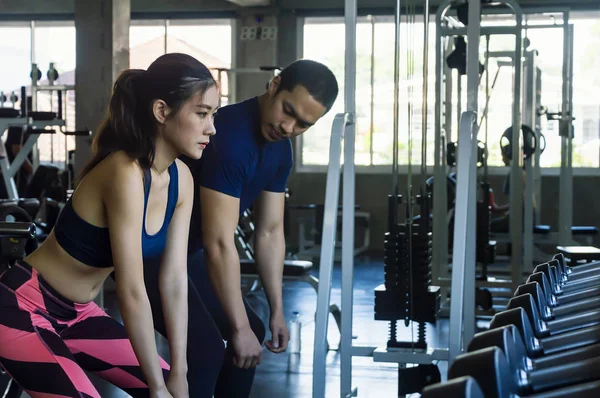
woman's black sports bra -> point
(91, 244)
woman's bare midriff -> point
(72, 279)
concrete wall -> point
(23, 7)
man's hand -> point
(280, 333)
(247, 349)
(177, 385)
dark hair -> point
(318, 79)
(130, 125)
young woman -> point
(133, 202)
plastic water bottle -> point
(295, 329)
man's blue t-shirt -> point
(238, 162)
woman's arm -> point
(124, 202)
(173, 277)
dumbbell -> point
(490, 368)
(573, 273)
(509, 340)
(561, 285)
(552, 295)
(465, 387)
(537, 341)
(550, 312)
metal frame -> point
(441, 275)
(9, 170)
(339, 132)
(532, 165)
(565, 218)
(462, 319)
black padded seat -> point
(584, 230)
(541, 229)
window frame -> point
(300, 167)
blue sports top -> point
(238, 162)
(91, 244)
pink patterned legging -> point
(47, 342)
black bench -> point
(587, 230)
(575, 254)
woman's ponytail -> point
(122, 128)
(130, 125)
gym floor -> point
(290, 375)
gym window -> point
(54, 41)
(209, 41)
(322, 38)
(375, 79)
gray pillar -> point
(102, 45)
(289, 38)
(252, 51)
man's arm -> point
(269, 244)
(269, 241)
(220, 214)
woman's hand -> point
(160, 392)
(177, 385)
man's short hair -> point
(317, 78)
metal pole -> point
(166, 35)
(565, 195)
(348, 198)
(327, 254)
(372, 107)
(440, 210)
(473, 37)
(424, 99)
(462, 308)
(529, 111)
(516, 177)
(538, 130)
(461, 273)
(394, 217)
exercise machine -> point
(407, 244)
(34, 123)
(448, 30)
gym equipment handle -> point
(581, 276)
(17, 229)
(576, 306)
(570, 373)
(79, 133)
(579, 295)
(578, 354)
(571, 340)
(574, 321)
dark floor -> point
(285, 375)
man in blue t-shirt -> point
(247, 163)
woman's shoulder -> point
(186, 180)
(122, 171)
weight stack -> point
(396, 299)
